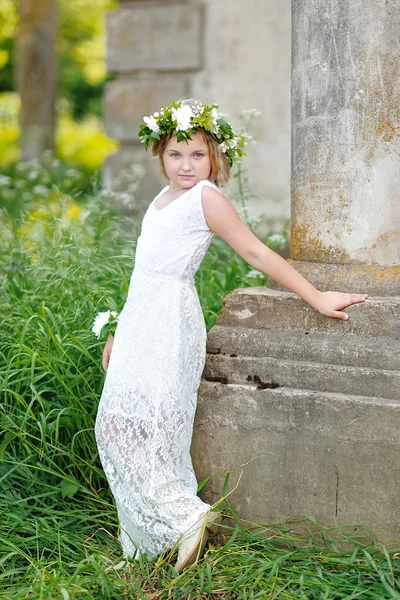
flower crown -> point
(184, 118)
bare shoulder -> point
(224, 220)
(216, 206)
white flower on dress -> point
(101, 319)
(151, 123)
(182, 117)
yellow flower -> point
(4, 55)
(73, 212)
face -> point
(186, 163)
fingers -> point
(357, 298)
(339, 314)
(105, 361)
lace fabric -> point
(144, 422)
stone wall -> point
(240, 58)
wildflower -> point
(4, 180)
(101, 319)
(73, 211)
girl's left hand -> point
(332, 303)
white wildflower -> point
(101, 319)
(72, 173)
(277, 240)
(156, 114)
(41, 190)
(250, 112)
(5, 180)
(254, 273)
(151, 123)
(182, 117)
(33, 175)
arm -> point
(223, 219)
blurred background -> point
(76, 78)
(53, 54)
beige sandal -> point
(191, 548)
(213, 521)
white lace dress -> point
(145, 418)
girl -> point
(154, 365)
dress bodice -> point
(174, 239)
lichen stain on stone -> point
(304, 244)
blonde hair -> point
(220, 171)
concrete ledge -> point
(305, 375)
(334, 456)
(261, 307)
(338, 348)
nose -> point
(186, 166)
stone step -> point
(330, 455)
(261, 307)
(364, 381)
(333, 348)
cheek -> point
(168, 164)
(207, 165)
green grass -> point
(58, 527)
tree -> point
(37, 75)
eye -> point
(173, 154)
(199, 154)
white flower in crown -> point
(229, 144)
(101, 319)
(182, 116)
(151, 123)
(215, 116)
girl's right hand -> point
(107, 352)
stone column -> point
(37, 75)
(345, 231)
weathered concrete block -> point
(304, 374)
(324, 443)
(157, 37)
(291, 344)
(127, 101)
(261, 307)
(301, 452)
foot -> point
(213, 521)
(191, 547)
